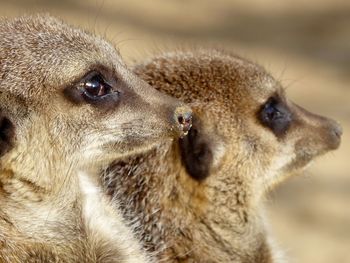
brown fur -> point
(52, 141)
(200, 199)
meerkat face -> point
(70, 90)
(250, 123)
(242, 118)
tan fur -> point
(219, 218)
(52, 208)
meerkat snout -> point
(337, 132)
(329, 130)
(306, 133)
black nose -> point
(185, 121)
(338, 130)
(183, 117)
(335, 132)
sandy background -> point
(305, 44)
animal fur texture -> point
(68, 105)
(200, 199)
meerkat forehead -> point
(43, 49)
(227, 78)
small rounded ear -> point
(196, 152)
(7, 133)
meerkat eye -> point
(95, 90)
(275, 115)
(94, 86)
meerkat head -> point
(201, 196)
(67, 91)
(243, 121)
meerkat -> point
(68, 105)
(200, 199)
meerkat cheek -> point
(219, 152)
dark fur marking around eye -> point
(7, 133)
(196, 153)
(275, 115)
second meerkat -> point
(200, 199)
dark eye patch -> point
(93, 89)
(275, 115)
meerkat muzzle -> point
(335, 132)
(328, 130)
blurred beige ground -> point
(305, 44)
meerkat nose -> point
(183, 116)
(338, 130)
(335, 132)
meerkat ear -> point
(196, 152)
(7, 132)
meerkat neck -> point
(162, 202)
(78, 205)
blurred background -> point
(304, 44)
